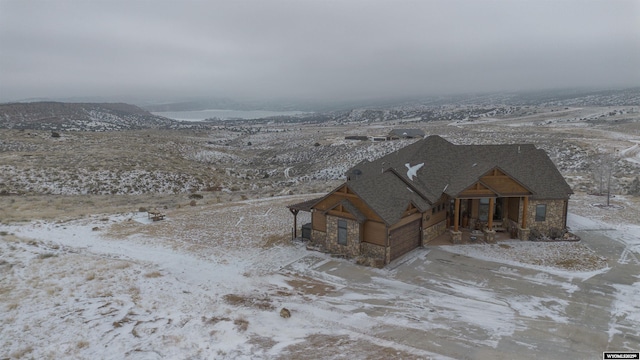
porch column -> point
(295, 222)
(490, 222)
(489, 233)
(505, 208)
(456, 215)
(525, 205)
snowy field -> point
(210, 281)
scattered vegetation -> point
(153, 274)
(241, 324)
(262, 303)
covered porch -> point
(468, 237)
(489, 216)
(295, 210)
(494, 203)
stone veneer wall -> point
(318, 238)
(374, 252)
(352, 249)
(554, 217)
(434, 231)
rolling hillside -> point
(79, 116)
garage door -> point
(405, 239)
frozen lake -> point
(199, 115)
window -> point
(541, 212)
(483, 210)
(342, 232)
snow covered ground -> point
(210, 281)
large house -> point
(432, 187)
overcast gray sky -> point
(335, 49)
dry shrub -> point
(556, 233)
(263, 303)
(122, 265)
(214, 320)
(274, 240)
(119, 323)
(90, 276)
(22, 353)
(134, 291)
(504, 246)
(82, 344)
(153, 274)
(51, 291)
(590, 262)
(241, 324)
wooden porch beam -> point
(456, 215)
(295, 222)
(490, 220)
(525, 205)
(505, 208)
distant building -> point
(405, 134)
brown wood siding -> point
(337, 196)
(406, 220)
(475, 206)
(319, 221)
(375, 233)
(513, 208)
(504, 185)
(404, 239)
(475, 191)
(342, 214)
(432, 219)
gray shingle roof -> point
(388, 195)
(352, 209)
(449, 169)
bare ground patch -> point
(332, 346)
(308, 286)
(258, 302)
(275, 240)
(571, 256)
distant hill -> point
(79, 116)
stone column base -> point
(490, 236)
(523, 234)
(456, 237)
